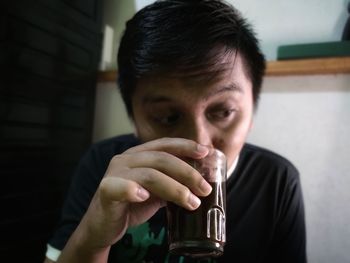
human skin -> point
(216, 114)
(175, 118)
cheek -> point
(232, 139)
(143, 128)
(146, 131)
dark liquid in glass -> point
(199, 233)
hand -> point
(139, 182)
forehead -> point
(228, 72)
(212, 68)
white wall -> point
(299, 21)
(110, 115)
(142, 3)
(307, 119)
(284, 22)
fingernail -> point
(194, 201)
(142, 193)
(202, 148)
(205, 187)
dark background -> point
(49, 54)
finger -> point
(172, 166)
(175, 146)
(120, 189)
(164, 187)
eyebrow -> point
(155, 99)
(232, 87)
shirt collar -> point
(232, 168)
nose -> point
(199, 131)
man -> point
(190, 74)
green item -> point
(314, 50)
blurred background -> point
(58, 95)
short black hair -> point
(175, 35)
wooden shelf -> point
(320, 66)
(107, 76)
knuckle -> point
(191, 176)
(194, 174)
(149, 176)
(104, 186)
(127, 193)
(165, 140)
(117, 158)
(130, 150)
(182, 194)
(116, 189)
(160, 158)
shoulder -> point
(114, 145)
(267, 165)
(259, 154)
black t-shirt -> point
(265, 213)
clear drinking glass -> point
(202, 232)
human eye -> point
(221, 114)
(167, 119)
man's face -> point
(216, 113)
